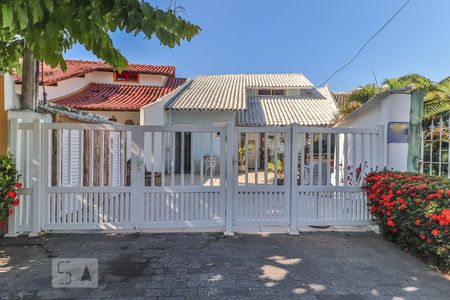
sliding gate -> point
(304, 175)
(330, 166)
(133, 178)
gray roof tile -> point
(313, 107)
(228, 92)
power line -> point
(366, 43)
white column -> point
(37, 175)
(294, 169)
(229, 212)
(137, 176)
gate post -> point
(14, 148)
(137, 176)
(293, 230)
(415, 130)
(229, 210)
(382, 160)
(36, 173)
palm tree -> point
(420, 81)
(358, 97)
(437, 101)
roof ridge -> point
(82, 60)
(104, 62)
(113, 84)
(249, 74)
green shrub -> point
(414, 211)
(9, 186)
(271, 166)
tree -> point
(420, 81)
(358, 97)
(436, 102)
(437, 99)
(45, 29)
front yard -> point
(312, 265)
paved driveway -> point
(312, 265)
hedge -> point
(413, 211)
(9, 186)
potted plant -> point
(241, 152)
(280, 169)
(9, 187)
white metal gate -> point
(133, 178)
(181, 177)
(262, 193)
(330, 167)
(84, 182)
(304, 175)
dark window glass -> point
(278, 92)
(264, 92)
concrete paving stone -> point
(66, 293)
(184, 292)
(236, 291)
(158, 292)
(108, 277)
(117, 290)
(314, 265)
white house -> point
(243, 100)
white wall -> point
(205, 119)
(11, 99)
(74, 84)
(12, 104)
(392, 108)
(155, 115)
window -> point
(264, 92)
(278, 92)
(126, 77)
(271, 92)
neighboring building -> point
(390, 109)
(244, 100)
(94, 87)
(341, 97)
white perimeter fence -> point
(81, 177)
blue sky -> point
(314, 37)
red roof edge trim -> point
(77, 68)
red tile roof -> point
(81, 67)
(107, 96)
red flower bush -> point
(9, 186)
(414, 211)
